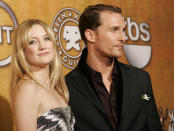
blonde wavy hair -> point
(20, 66)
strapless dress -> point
(56, 119)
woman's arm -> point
(25, 105)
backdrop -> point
(149, 41)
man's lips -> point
(43, 54)
(119, 46)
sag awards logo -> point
(7, 25)
(65, 28)
(70, 45)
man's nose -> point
(122, 36)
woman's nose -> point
(42, 46)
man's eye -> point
(47, 38)
(32, 42)
(115, 29)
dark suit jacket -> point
(136, 114)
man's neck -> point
(103, 65)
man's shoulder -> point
(131, 68)
(74, 73)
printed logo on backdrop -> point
(70, 44)
(138, 54)
(8, 22)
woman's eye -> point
(47, 38)
(32, 42)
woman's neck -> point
(41, 74)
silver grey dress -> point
(57, 119)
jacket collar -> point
(89, 92)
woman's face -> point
(40, 50)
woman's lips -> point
(43, 54)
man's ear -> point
(90, 35)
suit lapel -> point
(85, 89)
(126, 84)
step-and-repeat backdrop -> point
(149, 42)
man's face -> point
(109, 36)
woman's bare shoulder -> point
(25, 89)
(26, 85)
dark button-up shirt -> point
(108, 100)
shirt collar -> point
(94, 74)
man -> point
(106, 95)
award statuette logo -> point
(65, 28)
(7, 23)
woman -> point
(38, 91)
